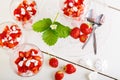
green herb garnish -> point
(52, 31)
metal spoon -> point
(95, 23)
(94, 35)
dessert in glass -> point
(24, 11)
(10, 35)
(26, 60)
(74, 9)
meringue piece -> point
(86, 62)
(29, 8)
(28, 63)
(21, 63)
(76, 1)
(71, 4)
(23, 11)
(101, 65)
(75, 9)
(93, 76)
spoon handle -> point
(94, 28)
(94, 43)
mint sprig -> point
(50, 34)
(63, 31)
(50, 37)
(42, 25)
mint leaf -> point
(50, 37)
(62, 31)
(42, 25)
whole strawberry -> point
(85, 28)
(53, 62)
(69, 68)
(59, 75)
(83, 38)
(75, 33)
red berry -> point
(75, 33)
(59, 75)
(69, 68)
(53, 62)
(85, 28)
(79, 2)
(83, 38)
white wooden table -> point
(109, 45)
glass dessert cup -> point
(24, 11)
(74, 9)
(10, 35)
(26, 60)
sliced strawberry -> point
(39, 64)
(33, 11)
(25, 3)
(22, 69)
(28, 54)
(68, 1)
(34, 51)
(21, 54)
(18, 60)
(9, 45)
(38, 58)
(1, 43)
(33, 4)
(35, 70)
(31, 66)
(17, 11)
(79, 2)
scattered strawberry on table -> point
(59, 75)
(10, 36)
(53, 62)
(69, 69)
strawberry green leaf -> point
(42, 25)
(62, 31)
(50, 37)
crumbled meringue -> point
(93, 76)
(86, 62)
(101, 65)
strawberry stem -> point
(56, 17)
